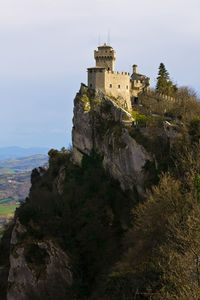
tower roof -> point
(105, 46)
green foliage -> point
(179, 110)
(86, 102)
(194, 129)
(141, 119)
(87, 220)
(7, 209)
(122, 246)
(166, 227)
(57, 159)
(162, 261)
(164, 85)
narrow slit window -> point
(90, 85)
(110, 85)
(118, 86)
(127, 87)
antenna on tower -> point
(108, 41)
(99, 40)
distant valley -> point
(18, 152)
(15, 183)
(21, 165)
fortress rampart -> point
(122, 86)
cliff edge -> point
(101, 125)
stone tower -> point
(121, 86)
(105, 57)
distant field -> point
(7, 171)
(15, 183)
(7, 209)
(7, 200)
(6, 213)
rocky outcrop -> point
(38, 269)
(100, 124)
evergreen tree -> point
(164, 85)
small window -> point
(118, 86)
(90, 71)
(127, 87)
(110, 85)
(90, 85)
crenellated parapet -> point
(120, 85)
(105, 57)
(119, 73)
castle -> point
(122, 86)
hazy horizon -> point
(47, 46)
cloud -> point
(47, 45)
(23, 14)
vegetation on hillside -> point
(6, 214)
(15, 176)
(15, 183)
(24, 164)
(88, 219)
(121, 246)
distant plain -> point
(15, 183)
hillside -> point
(15, 183)
(15, 176)
(22, 164)
(18, 152)
(118, 216)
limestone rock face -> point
(38, 269)
(59, 182)
(103, 128)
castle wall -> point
(118, 86)
(96, 79)
(139, 83)
(136, 87)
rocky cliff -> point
(37, 268)
(69, 233)
(85, 231)
(101, 125)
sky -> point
(47, 46)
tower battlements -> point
(122, 86)
(105, 57)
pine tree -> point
(164, 85)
